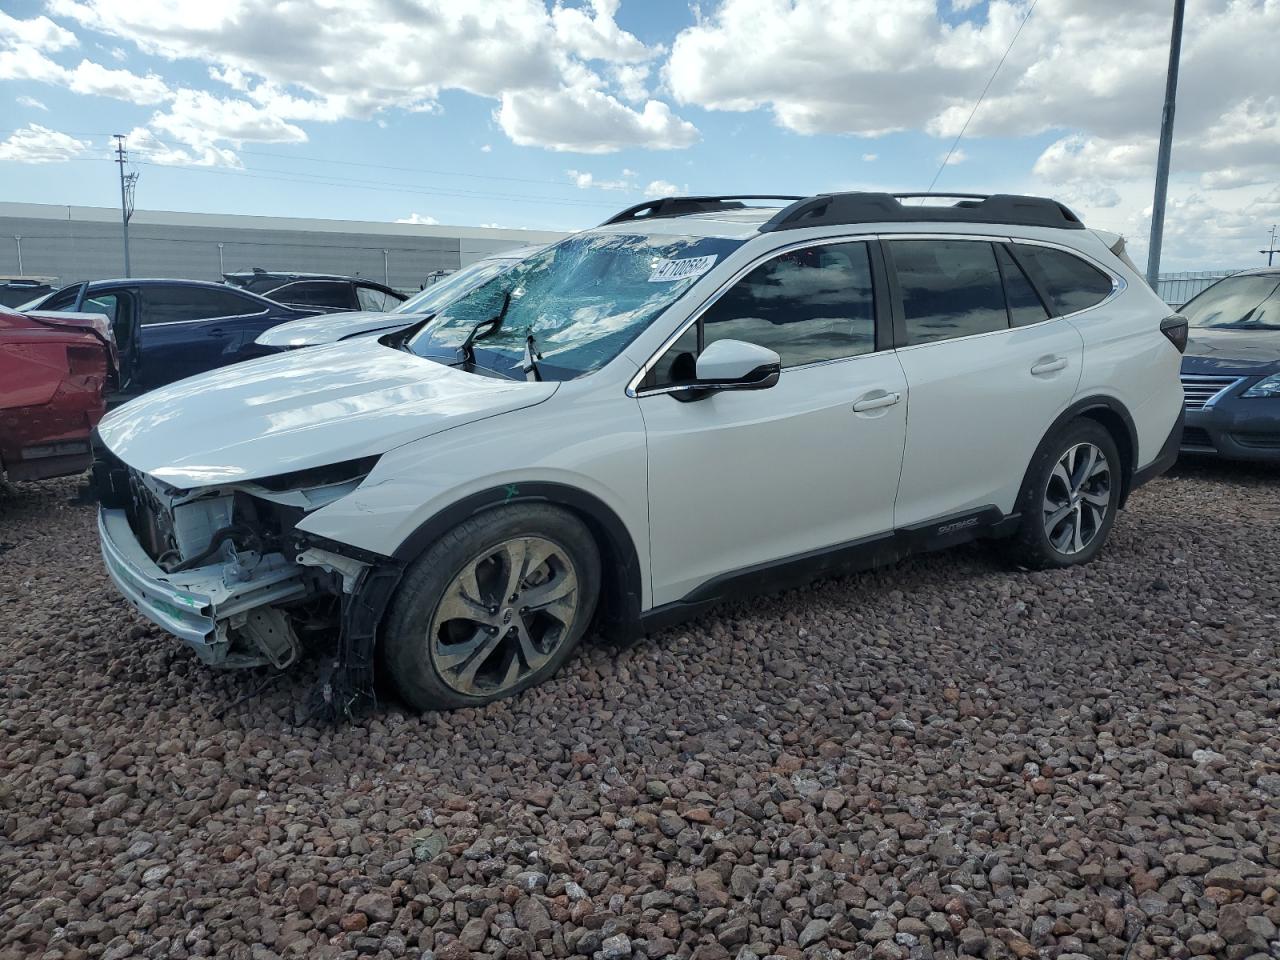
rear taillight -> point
(86, 361)
(1175, 328)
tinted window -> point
(950, 288)
(1024, 303)
(172, 304)
(806, 305)
(1243, 303)
(1068, 282)
(316, 293)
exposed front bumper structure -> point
(201, 606)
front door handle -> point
(874, 401)
(214, 332)
(1048, 365)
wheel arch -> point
(620, 570)
(1112, 416)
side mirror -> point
(733, 365)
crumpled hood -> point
(1243, 352)
(302, 409)
(332, 327)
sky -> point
(553, 115)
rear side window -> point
(172, 304)
(1069, 282)
(1024, 303)
(316, 293)
(373, 299)
(949, 288)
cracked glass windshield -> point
(582, 301)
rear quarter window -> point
(1069, 282)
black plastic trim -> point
(863, 554)
(1164, 460)
(881, 295)
(832, 209)
(1091, 404)
(684, 206)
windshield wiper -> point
(493, 323)
(531, 358)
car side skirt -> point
(986, 522)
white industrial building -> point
(84, 243)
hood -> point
(301, 409)
(1244, 352)
(332, 327)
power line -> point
(942, 166)
(321, 180)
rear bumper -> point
(1236, 429)
(1165, 459)
(198, 606)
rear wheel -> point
(1070, 498)
(494, 607)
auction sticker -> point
(667, 270)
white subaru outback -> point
(701, 396)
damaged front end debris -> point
(225, 569)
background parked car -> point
(1231, 370)
(54, 368)
(319, 291)
(169, 329)
(18, 290)
(331, 328)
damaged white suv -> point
(698, 397)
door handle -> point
(876, 401)
(214, 332)
(1049, 365)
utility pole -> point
(1270, 251)
(1166, 147)
(17, 238)
(128, 181)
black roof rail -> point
(683, 206)
(830, 209)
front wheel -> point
(1070, 498)
(492, 608)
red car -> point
(54, 369)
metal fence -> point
(1176, 289)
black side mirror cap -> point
(1176, 328)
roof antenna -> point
(947, 159)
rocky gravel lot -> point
(939, 759)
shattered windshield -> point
(453, 286)
(582, 301)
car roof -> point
(296, 275)
(740, 224)
(1255, 272)
(162, 281)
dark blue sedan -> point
(1231, 369)
(169, 329)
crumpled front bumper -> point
(199, 605)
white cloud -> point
(661, 188)
(870, 157)
(39, 32)
(200, 120)
(557, 74)
(418, 218)
(587, 181)
(37, 144)
(95, 79)
(143, 144)
(585, 120)
(486, 149)
(954, 157)
(31, 102)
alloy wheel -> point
(1077, 498)
(504, 615)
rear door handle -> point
(1049, 365)
(214, 332)
(876, 401)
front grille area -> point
(1196, 437)
(1198, 390)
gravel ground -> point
(932, 760)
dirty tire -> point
(1032, 545)
(443, 650)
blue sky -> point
(553, 115)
